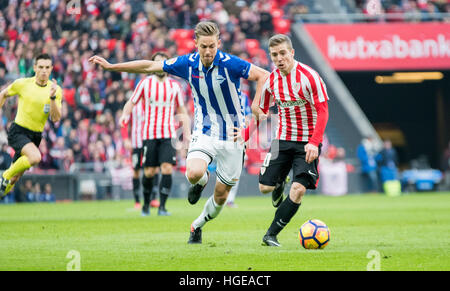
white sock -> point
(210, 211)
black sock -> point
(154, 187)
(147, 183)
(283, 215)
(164, 190)
(136, 188)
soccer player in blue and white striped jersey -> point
(214, 77)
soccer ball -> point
(314, 234)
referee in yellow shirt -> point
(38, 98)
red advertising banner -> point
(396, 46)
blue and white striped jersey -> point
(216, 91)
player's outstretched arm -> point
(137, 67)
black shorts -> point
(19, 136)
(136, 158)
(291, 155)
(158, 151)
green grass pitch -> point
(411, 232)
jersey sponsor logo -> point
(161, 103)
(291, 103)
(197, 77)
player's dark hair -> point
(42, 57)
(161, 54)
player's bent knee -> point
(166, 169)
(265, 189)
(34, 159)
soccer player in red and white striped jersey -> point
(137, 119)
(301, 98)
(160, 97)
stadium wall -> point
(99, 186)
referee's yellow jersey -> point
(34, 102)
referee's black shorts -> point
(284, 156)
(19, 136)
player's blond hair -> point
(206, 28)
(278, 39)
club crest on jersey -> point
(263, 170)
(46, 108)
(171, 61)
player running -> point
(38, 99)
(301, 98)
(214, 77)
(160, 97)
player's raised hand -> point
(100, 61)
(53, 88)
(312, 152)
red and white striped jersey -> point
(298, 96)
(160, 99)
(137, 119)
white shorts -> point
(229, 156)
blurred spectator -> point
(5, 157)
(119, 31)
(405, 10)
(37, 191)
(333, 172)
(29, 190)
(47, 195)
(387, 161)
(57, 153)
(366, 154)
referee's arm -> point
(55, 110)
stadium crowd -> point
(120, 31)
(418, 10)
